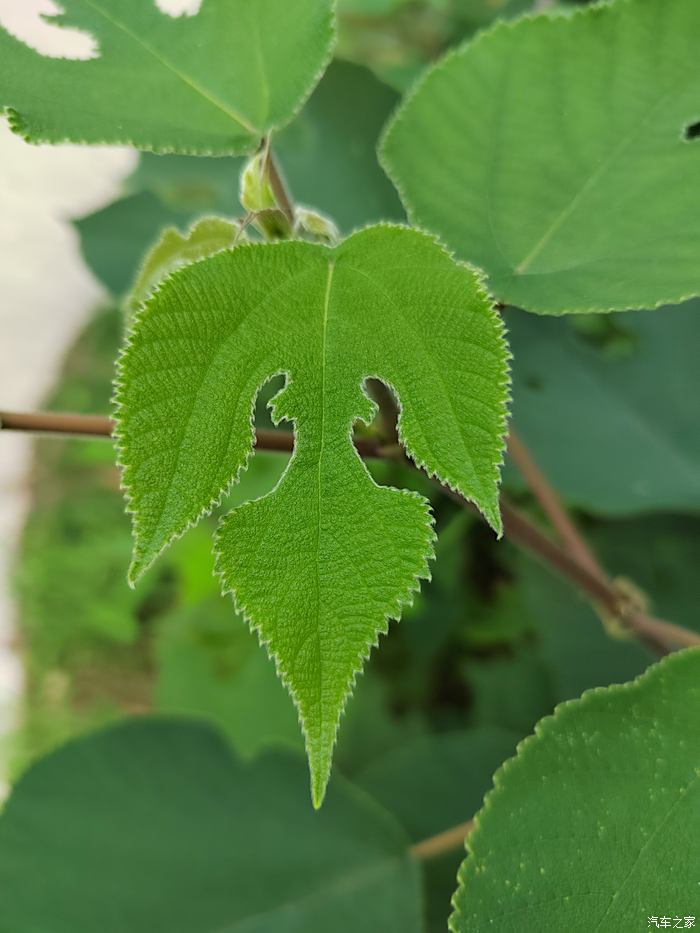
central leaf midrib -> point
(319, 488)
(190, 82)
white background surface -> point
(46, 292)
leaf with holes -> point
(593, 825)
(554, 153)
(320, 564)
(214, 83)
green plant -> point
(557, 154)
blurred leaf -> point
(593, 825)
(512, 691)
(114, 239)
(189, 184)
(370, 7)
(370, 727)
(328, 156)
(210, 664)
(165, 830)
(432, 784)
(574, 191)
(475, 14)
(437, 781)
(58, 547)
(660, 555)
(329, 153)
(573, 642)
(613, 425)
(212, 84)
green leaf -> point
(211, 84)
(328, 156)
(660, 554)
(210, 665)
(593, 826)
(437, 781)
(162, 829)
(432, 784)
(320, 564)
(189, 183)
(114, 239)
(512, 691)
(578, 651)
(625, 408)
(329, 152)
(173, 250)
(552, 153)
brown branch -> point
(47, 422)
(447, 841)
(661, 636)
(600, 591)
(518, 529)
(279, 188)
(552, 505)
(64, 423)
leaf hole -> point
(37, 23)
(692, 132)
(177, 8)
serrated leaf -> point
(625, 408)
(593, 826)
(163, 829)
(173, 250)
(552, 153)
(320, 564)
(211, 84)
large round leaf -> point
(594, 825)
(210, 84)
(556, 153)
(154, 826)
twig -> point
(600, 591)
(519, 529)
(622, 609)
(279, 189)
(447, 841)
(47, 422)
(63, 423)
(552, 505)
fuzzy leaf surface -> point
(167, 830)
(552, 152)
(320, 564)
(584, 826)
(174, 249)
(213, 83)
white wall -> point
(46, 294)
